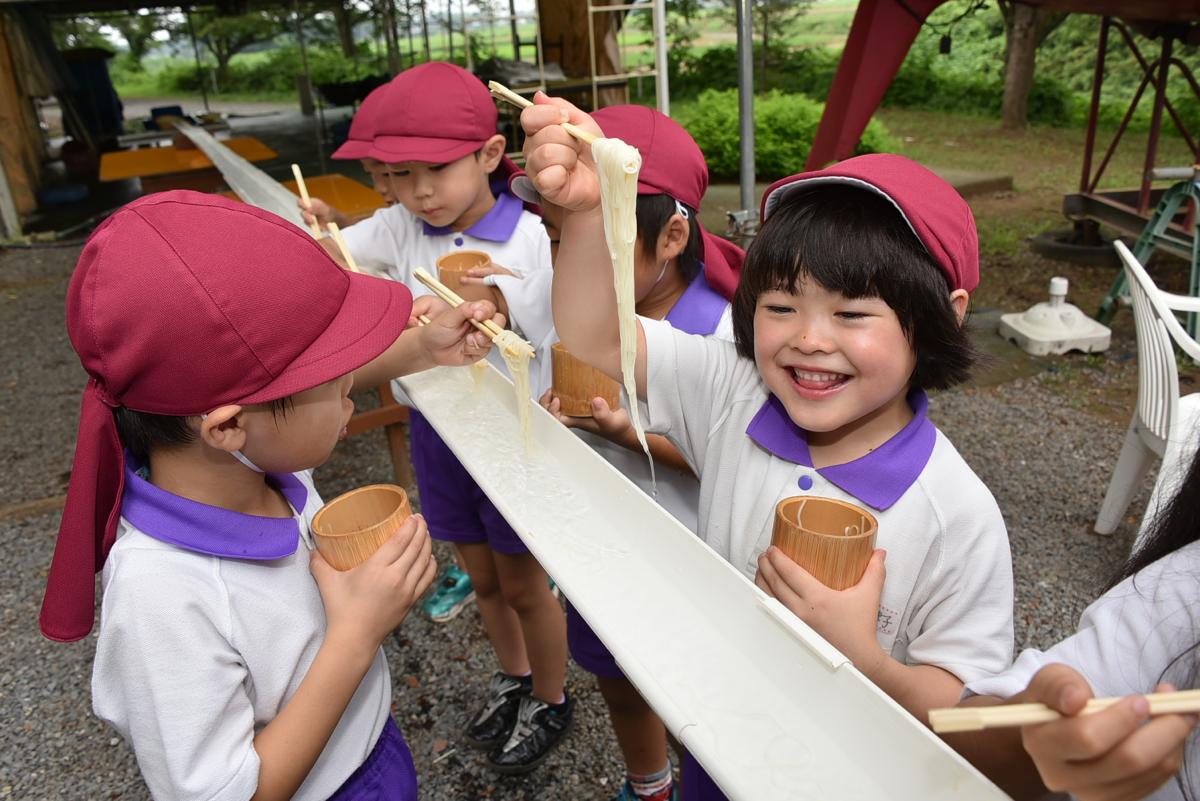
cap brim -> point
(374, 313)
(397, 149)
(352, 149)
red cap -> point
(182, 302)
(362, 127)
(934, 211)
(435, 113)
(672, 165)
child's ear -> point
(491, 153)
(673, 238)
(222, 428)
(959, 299)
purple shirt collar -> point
(879, 478)
(212, 530)
(495, 226)
(699, 308)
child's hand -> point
(481, 275)
(450, 339)
(364, 604)
(847, 618)
(425, 305)
(612, 424)
(319, 212)
(559, 165)
(1106, 756)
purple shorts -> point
(698, 785)
(586, 648)
(387, 775)
(453, 504)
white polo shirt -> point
(1126, 640)
(210, 620)
(948, 597)
(393, 242)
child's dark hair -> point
(653, 212)
(855, 242)
(142, 432)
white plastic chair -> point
(1155, 419)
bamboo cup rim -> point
(323, 524)
(784, 515)
(459, 260)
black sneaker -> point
(494, 722)
(539, 728)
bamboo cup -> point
(832, 540)
(453, 266)
(353, 525)
(576, 383)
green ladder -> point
(1157, 233)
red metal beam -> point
(882, 33)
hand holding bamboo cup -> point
(352, 526)
(299, 176)
(576, 383)
(977, 718)
(833, 540)
(495, 332)
(454, 266)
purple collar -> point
(212, 530)
(495, 226)
(699, 308)
(879, 478)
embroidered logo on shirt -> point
(888, 621)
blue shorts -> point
(454, 506)
(586, 648)
(387, 775)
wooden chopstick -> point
(504, 93)
(341, 243)
(976, 718)
(299, 176)
(451, 297)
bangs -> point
(846, 239)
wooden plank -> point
(165, 160)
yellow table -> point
(162, 168)
(350, 197)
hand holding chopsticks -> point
(976, 718)
(504, 93)
(487, 326)
(299, 176)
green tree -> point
(225, 37)
(72, 32)
(1025, 28)
(137, 29)
(772, 21)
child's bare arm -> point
(449, 339)
(585, 306)
(362, 606)
(847, 618)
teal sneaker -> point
(452, 593)
(627, 793)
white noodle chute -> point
(516, 357)
(618, 165)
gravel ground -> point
(1047, 465)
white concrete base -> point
(1055, 326)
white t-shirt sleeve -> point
(168, 679)
(528, 302)
(1127, 640)
(964, 621)
(376, 242)
(690, 381)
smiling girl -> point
(850, 306)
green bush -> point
(784, 127)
